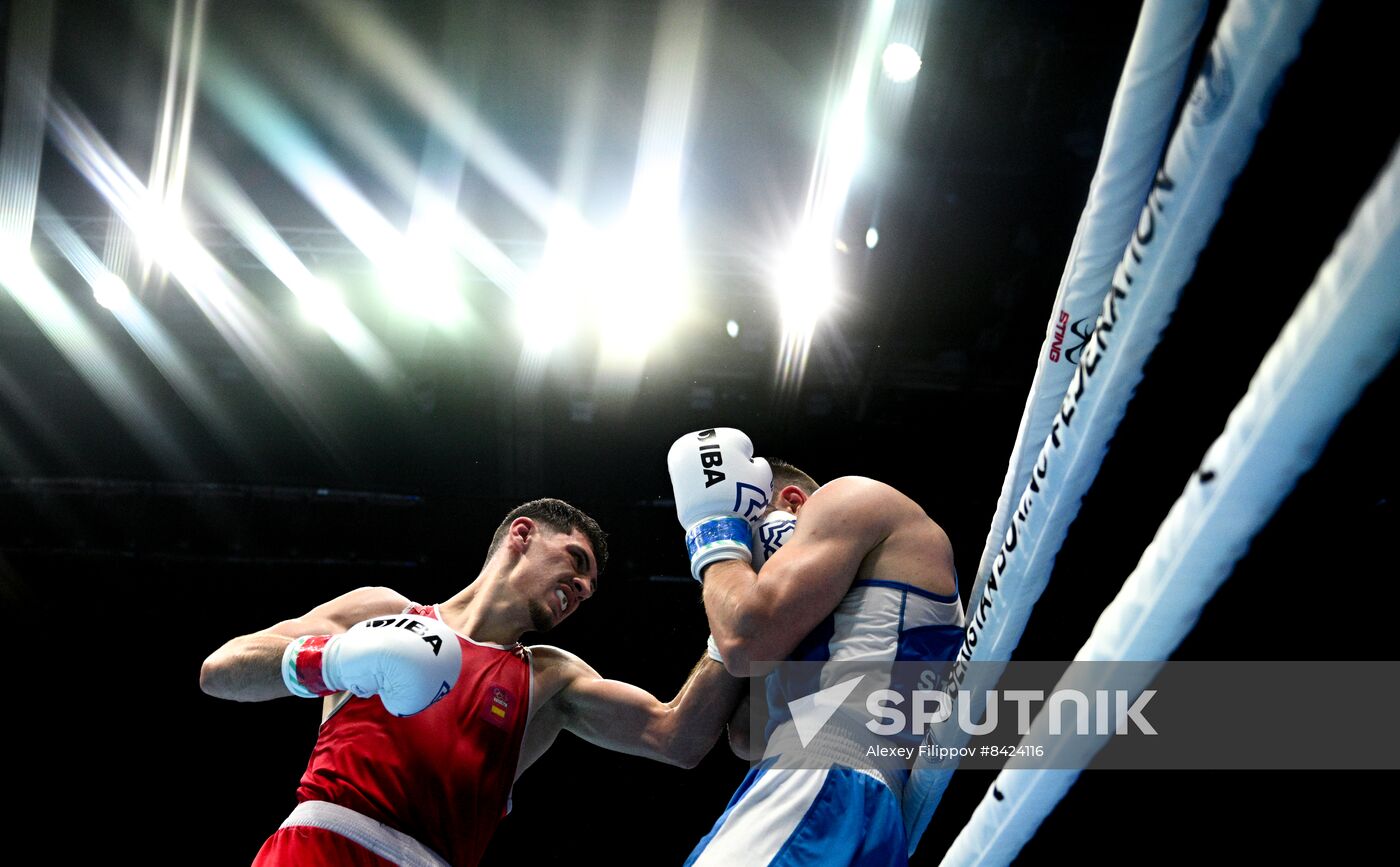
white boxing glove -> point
(408, 660)
(721, 489)
(771, 534)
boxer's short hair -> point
(560, 517)
(785, 474)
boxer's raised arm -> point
(249, 667)
(628, 719)
(762, 616)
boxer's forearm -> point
(623, 717)
(756, 619)
(248, 668)
(700, 710)
(736, 610)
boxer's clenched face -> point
(561, 573)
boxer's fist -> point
(770, 535)
(721, 489)
(409, 661)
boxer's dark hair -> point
(785, 474)
(560, 517)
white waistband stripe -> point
(377, 837)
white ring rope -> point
(1343, 333)
(1138, 126)
(1255, 42)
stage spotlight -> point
(423, 281)
(806, 287)
(321, 304)
(545, 317)
(901, 62)
(110, 291)
(643, 293)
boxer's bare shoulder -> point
(911, 547)
(554, 669)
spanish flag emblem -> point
(498, 705)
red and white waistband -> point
(387, 843)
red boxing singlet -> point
(442, 776)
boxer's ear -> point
(790, 499)
(522, 530)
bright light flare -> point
(643, 294)
(161, 232)
(29, 40)
(630, 283)
(546, 317)
(423, 280)
(805, 286)
(322, 304)
(805, 280)
(111, 291)
(548, 305)
(224, 301)
(108, 288)
(548, 309)
(172, 144)
(390, 54)
(901, 62)
(845, 132)
(88, 352)
(291, 147)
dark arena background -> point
(369, 275)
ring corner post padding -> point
(1343, 333)
(1254, 43)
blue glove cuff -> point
(724, 538)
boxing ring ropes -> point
(1340, 337)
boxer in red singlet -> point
(440, 707)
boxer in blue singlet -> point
(851, 571)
